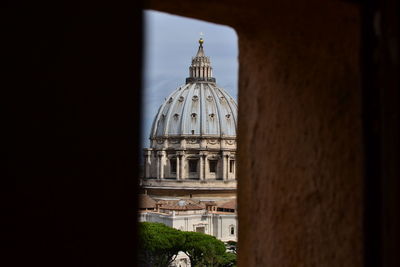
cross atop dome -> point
(201, 36)
(200, 69)
(201, 41)
(200, 52)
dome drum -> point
(216, 167)
(197, 143)
(197, 79)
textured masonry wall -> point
(300, 171)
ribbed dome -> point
(197, 109)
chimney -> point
(158, 205)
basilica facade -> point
(193, 138)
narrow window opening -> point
(173, 165)
(231, 166)
(213, 165)
(193, 165)
(232, 230)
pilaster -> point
(225, 167)
(158, 165)
(147, 163)
(202, 165)
(178, 176)
(182, 161)
(161, 164)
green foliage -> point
(228, 260)
(159, 244)
(204, 250)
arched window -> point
(232, 230)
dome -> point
(199, 108)
(193, 139)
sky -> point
(170, 43)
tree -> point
(228, 260)
(203, 250)
(159, 243)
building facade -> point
(216, 219)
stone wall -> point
(300, 139)
(215, 224)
